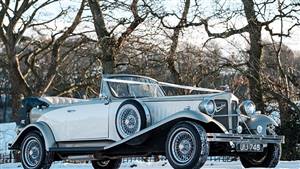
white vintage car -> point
(133, 117)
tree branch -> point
(47, 82)
(133, 25)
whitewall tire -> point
(187, 146)
(130, 119)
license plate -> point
(248, 147)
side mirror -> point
(105, 98)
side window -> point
(104, 89)
(119, 89)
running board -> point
(76, 150)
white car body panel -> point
(73, 127)
(88, 120)
(113, 108)
(94, 120)
(56, 120)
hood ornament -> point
(221, 107)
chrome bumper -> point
(244, 138)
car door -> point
(87, 121)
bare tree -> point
(12, 33)
(265, 16)
(187, 17)
(109, 43)
(257, 19)
(174, 38)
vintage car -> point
(134, 117)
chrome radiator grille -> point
(222, 114)
(227, 114)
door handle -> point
(70, 111)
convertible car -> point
(133, 117)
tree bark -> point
(254, 63)
(109, 51)
(254, 66)
(175, 76)
(107, 43)
(19, 88)
(11, 34)
(171, 59)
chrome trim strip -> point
(245, 138)
(231, 115)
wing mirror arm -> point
(105, 98)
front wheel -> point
(187, 146)
(33, 153)
(107, 164)
(269, 158)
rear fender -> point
(40, 127)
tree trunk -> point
(175, 76)
(254, 64)
(19, 89)
(109, 53)
(255, 52)
(172, 53)
(107, 43)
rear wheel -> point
(187, 146)
(107, 164)
(33, 153)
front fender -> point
(196, 116)
(184, 115)
(262, 120)
(41, 127)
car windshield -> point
(128, 86)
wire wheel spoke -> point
(32, 152)
(183, 146)
(128, 120)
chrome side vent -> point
(235, 116)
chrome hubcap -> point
(128, 122)
(32, 152)
(183, 146)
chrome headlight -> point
(207, 106)
(247, 107)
